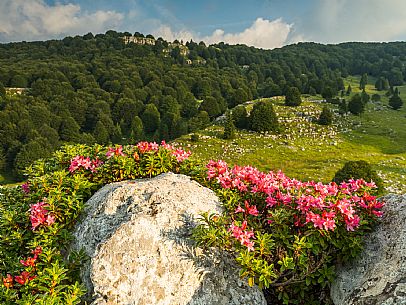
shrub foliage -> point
(359, 170)
(286, 235)
(37, 218)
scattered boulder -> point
(378, 277)
(137, 235)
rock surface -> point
(137, 235)
(378, 277)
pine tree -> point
(292, 97)
(263, 118)
(349, 90)
(356, 106)
(343, 107)
(2, 90)
(229, 127)
(240, 117)
(326, 116)
(363, 81)
(395, 101)
(365, 97)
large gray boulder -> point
(137, 235)
(378, 277)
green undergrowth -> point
(281, 244)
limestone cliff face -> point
(378, 277)
(137, 235)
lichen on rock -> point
(378, 276)
(137, 235)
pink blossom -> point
(319, 203)
(181, 155)
(242, 235)
(84, 162)
(40, 216)
(153, 146)
(251, 209)
(26, 187)
(115, 151)
(143, 147)
(239, 209)
(167, 146)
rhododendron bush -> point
(287, 235)
(36, 219)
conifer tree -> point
(229, 127)
(292, 97)
(263, 118)
(326, 116)
(363, 81)
(349, 90)
(395, 101)
(343, 107)
(356, 106)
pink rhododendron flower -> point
(24, 278)
(143, 147)
(79, 162)
(239, 209)
(243, 236)
(25, 187)
(181, 155)
(8, 281)
(40, 216)
(115, 151)
(318, 203)
(251, 209)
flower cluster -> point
(25, 276)
(25, 187)
(84, 162)
(322, 205)
(40, 216)
(242, 235)
(115, 151)
(179, 154)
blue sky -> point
(261, 23)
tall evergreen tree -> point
(229, 127)
(343, 107)
(395, 101)
(263, 118)
(240, 117)
(326, 116)
(293, 97)
(2, 90)
(349, 90)
(356, 106)
(363, 81)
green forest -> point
(97, 88)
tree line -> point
(96, 88)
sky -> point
(264, 24)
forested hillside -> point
(99, 89)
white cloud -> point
(168, 34)
(34, 19)
(262, 33)
(360, 20)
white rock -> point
(137, 235)
(378, 277)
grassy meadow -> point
(308, 151)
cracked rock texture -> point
(137, 235)
(378, 277)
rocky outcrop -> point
(378, 277)
(137, 235)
